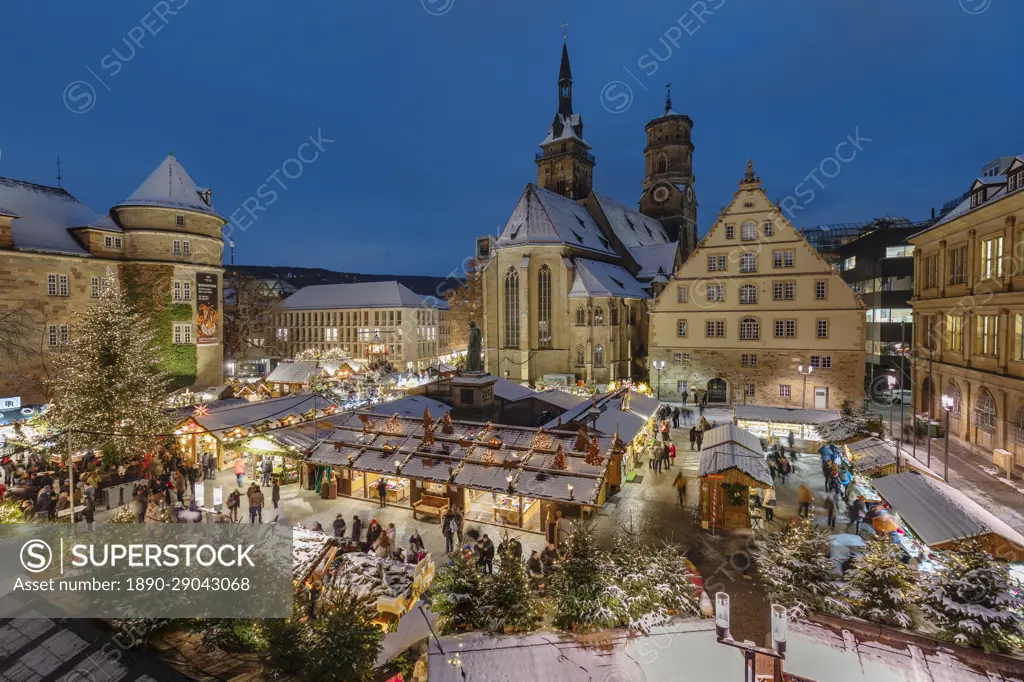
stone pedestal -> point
(473, 390)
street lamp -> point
(947, 405)
(780, 626)
(803, 398)
(891, 380)
(659, 365)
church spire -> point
(565, 83)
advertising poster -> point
(207, 308)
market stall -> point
(732, 468)
(941, 515)
(778, 422)
(874, 457)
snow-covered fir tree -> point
(650, 585)
(880, 587)
(972, 600)
(579, 586)
(508, 598)
(105, 380)
(794, 565)
(456, 592)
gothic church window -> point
(599, 316)
(512, 309)
(599, 356)
(544, 307)
(581, 317)
(580, 359)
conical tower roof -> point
(169, 186)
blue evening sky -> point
(436, 107)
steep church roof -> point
(631, 227)
(43, 216)
(169, 186)
(543, 217)
(597, 278)
(655, 259)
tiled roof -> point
(597, 278)
(44, 216)
(543, 217)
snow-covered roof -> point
(730, 433)
(412, 406)
(512, 391)
(939, 513)
(965, 206)
(630, 226)
(226, 418)
(785, 415)
(294, 372)
(597, 278)
(614, 656)
(390, 294)
(560, 398)
(169, 186)
(730, 447)
(543, 217)
(568, 125)
(655, 259)
(872, 454)
(613, 418)
(43, 217)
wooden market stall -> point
(731, 465)
(941, 515)
(777, 422)
(874, 457)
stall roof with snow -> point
(941, 515)
(251, 416)
(411, 406)
(730, 447)
(628, 422)
(785, 415)
(295, 372)
(875, 456)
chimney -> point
(933, 213)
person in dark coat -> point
(357, 528)
(382, 491)
(339, 526)
(485, 555)
(275, 492)
(675, 417)
(416, 542)
(700, 440)
(693, 437)
(373, 532)
(449, 528)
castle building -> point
(163, 243)
(756, 315)
(968, 309)
(567, 283)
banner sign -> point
(207, 308)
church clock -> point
(660, 194)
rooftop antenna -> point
(565, 33)
(58, 172)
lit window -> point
(681, 328)
(988, 335)
(748, 232)
(992, 258)
(904, 251)
(821, 289)
(955, 332)
(850, 263)
(785, 391)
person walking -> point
(805, 498)
(382, 491)
(239, 471)
(671, 454)
(275, 492)
(339, 526)
(769, 504)
(449, 528)
(664, 430)
(680, 484)
(684, 397)
(657, 457)
(675, 417)
(256, 505)
(700, 440)
(179, 486)
(830, 509)
(791, 439)
(89, 513)
(266, 468)
(857, 513)
(693, 437)
(357, 528)
(784, 468)
(234, 500)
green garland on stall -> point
(148, 287)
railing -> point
(575, 151)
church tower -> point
(565, 166)
(669, 194)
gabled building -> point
(567, 282)
(968, 308)
(163, 243)
(752, 311)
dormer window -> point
(978, 198)
(179, 220)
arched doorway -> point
(718, 391)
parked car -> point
(897, 396)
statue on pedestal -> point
(474, 359)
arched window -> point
(1018, 426)
(599, 315)
(748, 293)
(512, 308)
(662, 164)
(954, 393)
(580, 358)
(750, 329)
(985, 411)
(748, 262)
(613, 314)
(544, 307)
(581, 317)
(599, 356)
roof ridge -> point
(36, 184)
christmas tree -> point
(650, 585)
(794, 565)
(579, 586)
(428, 421)
(593, 456)
(508, 598)
(343, 642)
(559, 462)
(972, 601)
(125, 515)
(446, 424)
(456, 592)
(880, 587)
(107, 390)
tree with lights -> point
(794, 565)
(579, 585)
(508, 598)
(107, 388)
(880, 587)
(456, 592)
(972, 600)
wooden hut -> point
(731, 463)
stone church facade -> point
(757, 316)
(164, 245)
(568, 282)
